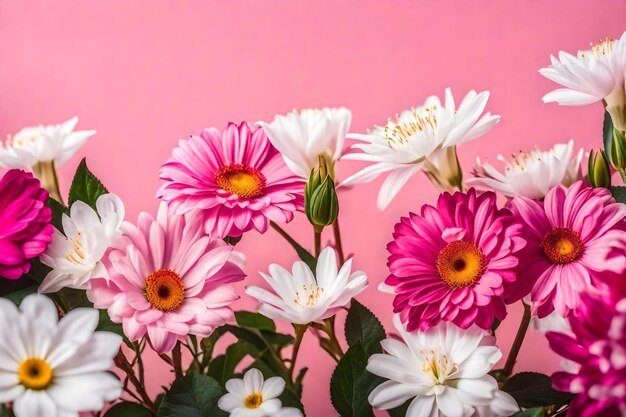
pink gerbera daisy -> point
(597, 347)
(451, 262)
(25, 229)
(168, 279)
(236, 179)
(574, 237)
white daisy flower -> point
(531, 174)
(253, 396)
(32, 145)
(421, 139)
(444, 370)
(594, 75)
(51, 367)
(303, 136)
(302, 297)
(75, 256)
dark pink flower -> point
(598, 346)
(25, 229)
(451, 263)
(575, 237)
(236, 180)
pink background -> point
(147, 73)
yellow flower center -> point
(35, 374)
(253, 400)
(562, 246)
(165, 290)
(400, 132)
(460, 264)
(240, 180)
(308, 295)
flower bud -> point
(443, 169)
(320, 198)
(599, 173)
(618, 150)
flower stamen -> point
(253, 401)
(165, 290)
(562, 246)
(460, 264)
(309, 296)
(241, 180)
(35, 374)
(400, 132)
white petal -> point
(394, 183)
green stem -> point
(338, 245)
(300, 330)
(177, 359)
(122, 363)
(284, 234)
(519, 339)
(318, 242)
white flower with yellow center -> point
(302, 137)
(531, 174)
(253, 396)
(421, 139)
(43, 144)
(444, 370)
(302, 297)
(75, 255)
(51, 367)
(596, 74)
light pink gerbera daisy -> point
(451, 263)
(168, 279)
(574, 237)
(236, 179)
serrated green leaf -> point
(363, 326)
(194, 395)
(86, 187)
(619, 194)
(532, 412)
(128, 409)
(532, 389)
(254, 321)
(351, 384)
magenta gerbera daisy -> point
(25, 229)
(574, 239)
(596, 348)
(168, 279)
(236, 180)
(451, 262)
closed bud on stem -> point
(320, 198)
(618, 150)
(599, 173)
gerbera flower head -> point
(302, 297)
(573, 240)
(302, 137)
(423, 138)
(31, 145)
(594, 75)
(443, 371)
(254, 396)
(75, 255)
(453, 261)
(531, 174)
(597, 345)
(168, 279)
(53, 367)
(25, 229)
(236, 180)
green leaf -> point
(298, 381)
(58, 210)
(5, 412)
(128, 409)
(254, 321)
(106, 325)
(222, 368)
(18, 296)
(194, 395)
(607, 135)
(86, 187)
(363, 326)
(532, 389)
(351, 384)
(619, 194)
(70, 298)
(532, 412)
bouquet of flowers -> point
(86, 293)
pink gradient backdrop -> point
(147, 73)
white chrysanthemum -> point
(444, 370)
(75, 256)
(253, 396)
(31, 145)
(423, 138)
(594, 75)
(301, 297)
(531, 174)
(303, 136)
(51, 367)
